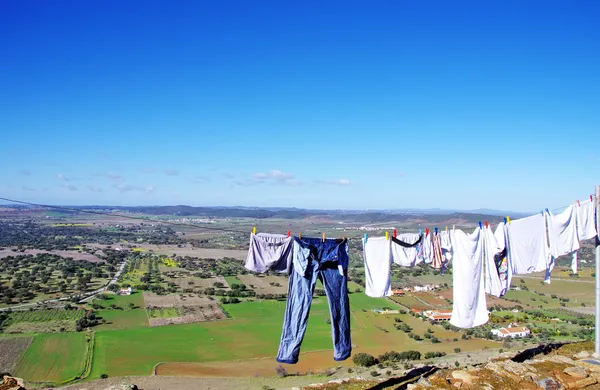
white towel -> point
(562, 232)
(586, 220)
(376, 253)
(469, 306)
(528, 245)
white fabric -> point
(562, 232)
(446, 245)
(269, 252)
(586, 220)
(427, 249)
(376, 253)
(528, 245)
(500, 235)
(493, 284)
(574, 262)
(406, 257)
(469, 305)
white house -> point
(512, 332)
(125, 291)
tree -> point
(364, 360)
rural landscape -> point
(163, 292)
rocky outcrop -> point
(10, 383)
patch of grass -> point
(233, 280)
(53, 357)
(117, 319)
(165, 312)
(122, 301)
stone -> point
(548, 384)
(582, 383)
(582, 355)
(457, 384)
(576, 372)
(486, 386)
(560, 359)
(411, 386)
(424, 382)
(463, 376)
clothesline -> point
(147, 219)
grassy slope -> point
(53, 357)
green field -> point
(122, 319)
(165, 312)
(53, 358)
(233, 280)
(45, 315)
(122, 301)
(254, 331)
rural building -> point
(438, 315)
(517, 331)
(125, 291)
(398, 292)
(426, 288)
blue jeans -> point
(327, 261)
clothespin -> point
(508, 220)
(300, 235)
(446, 228)
(394, 233)
(420, 231)
(289, 233)
(591, 200)
(487, 225)
(436, 231)
(427, 231)
(365, 237)
(480, 227)
(254, 230)
(547, 211)
(387, 236)
(578, 204)
(323, 237)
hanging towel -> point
(269, 252)
(495, 263)
(469, 306)
(446, 245)
(377, 256)
(405, 249)
(427, 249)
(586, 221)
(527, 245)
(562, 232)
(574, 262)
(502, 260)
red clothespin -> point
(591, 200)
(394, 233)
(289, 233)
(426, 231)
(487, 225)
(578, 204)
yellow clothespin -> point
(300, 236)
(323, 237)
(254, 230)
(446, 228)
(387, 236)
(508, 219)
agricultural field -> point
(254, 331)
(43, 321)
(175, 300)
(185, 315)
(265, 284)
(11, 351)
(121, 319)
(53, 358)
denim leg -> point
(300, 293)
(336, 288)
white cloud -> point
(147, 170)
(275, 176)
(201, 179)
(130, 188)
(62, 177)
(70, 187)
(29, 189)
(150, 189)
(171, 172)
(339, 182)
(114, 176)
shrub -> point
(375, 373)
(280, 371)
(457, 364)
(104, 376)
(457, 350)
(364, 359)
(388, 373)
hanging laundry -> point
(376, 254)
(574, 262)
(326, 260)
(437, 251)
(469, 305)
(562, 232)
(427, 245)
(495, 263)
(502, 259)
(405, 248)
(446, 244)
(527, 245)
(586, 220)
(269, 252)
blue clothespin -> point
(480, 227)
(547, 211)
(365, 237)
(420, 231)
(436, 231)
(505, 221)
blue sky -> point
(387, 104)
